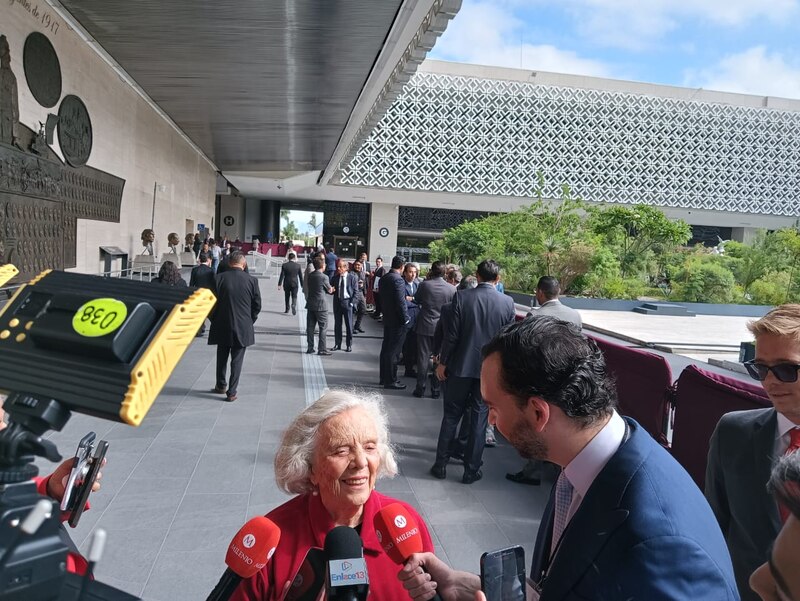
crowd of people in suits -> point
(621, 503)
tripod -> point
(33, 565)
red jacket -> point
(304, 522)
(75, 562)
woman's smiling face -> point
(346, 462)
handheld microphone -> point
(347, 571)
(398, 534)
(249, 551)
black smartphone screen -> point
(503, 574)
(310, 578)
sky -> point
(746, 46)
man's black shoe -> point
(521, 478)
(438, 471)
(349, 349)
(395, 386)
(294, 311)
(469, 478)
(358, 331)
(435, 395)
(287, 310)
(324, 353)
(337, 347)
(310, 351)
(418, 393)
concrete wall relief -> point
(41, 197)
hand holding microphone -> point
(399, 535)
(249, 551)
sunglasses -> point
(785, 372)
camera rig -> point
(74, 342)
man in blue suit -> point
(624, 520)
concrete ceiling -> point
(258, 85)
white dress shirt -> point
(587, 464)
(782, 434)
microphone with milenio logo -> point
(398, 534)
(249, 551)
(347, 571)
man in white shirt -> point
(746, 444)
(624, 520)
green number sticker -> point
(99, 317)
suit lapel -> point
(577, 550)
(764, 430)
(597, 518)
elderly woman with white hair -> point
(330, 457)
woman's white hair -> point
(294, 456)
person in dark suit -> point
(360, 304)
(345, 286)
(746, 444)
(291, 279)
(412, 282)
(237, 308)
(330, 263)
(431, 295)
(225, 265)
(395, 323)
(380, 271)
(624, 519)
(318, 286)
(477, 316)
(547, 291)
(202, 276)
(365, 263)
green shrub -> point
(770, 289)
(622, 288)
(705, 282)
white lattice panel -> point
(478, 136)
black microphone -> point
(347, 571)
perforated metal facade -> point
(457, 134)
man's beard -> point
(527, 443)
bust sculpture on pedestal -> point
(173, 240)
(148, 237)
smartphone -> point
(503, 574)
(309, 581)
(85, 469)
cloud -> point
(637, 24)
(488, 33)
(754, 71)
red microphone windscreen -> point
(397, 532)
(253, 546)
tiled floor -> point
(177, 488)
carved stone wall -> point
(41, 198)
(40, 203)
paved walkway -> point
(178, 487)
